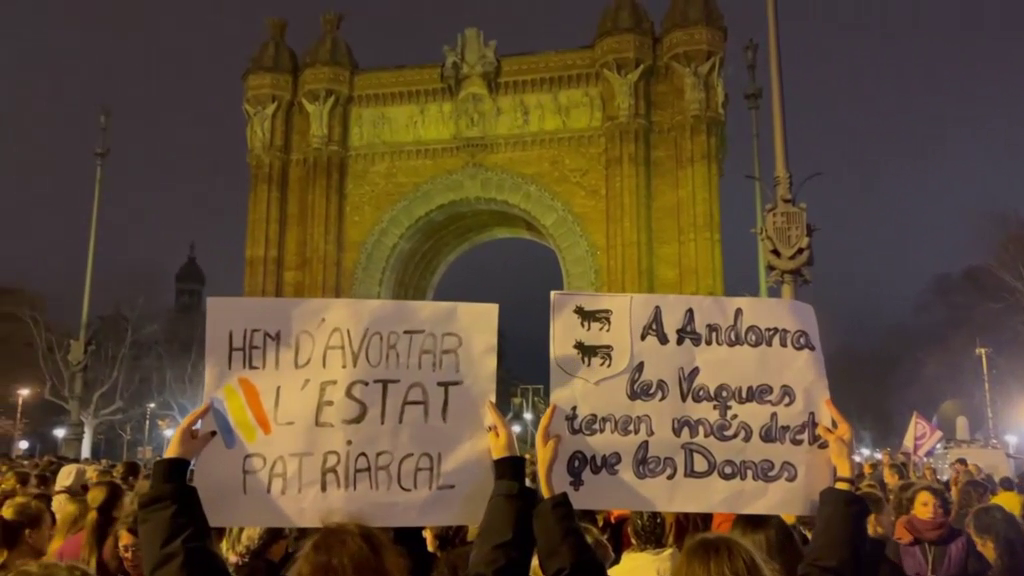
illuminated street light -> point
(516, 428)
(22, 394)
(1011, 441)
(22, 445)
(528, 416)
(865, 452)
(168, 433)
(60, 432)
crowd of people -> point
(61, 518)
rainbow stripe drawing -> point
(238, 412)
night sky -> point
(910, 109)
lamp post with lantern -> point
(786, 234)
(753, 95)
(59, 434)
(145, 441)
(168, 432)
(22, 394)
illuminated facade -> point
(367, 183)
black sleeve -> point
(504, 544)
(562, 549)
(840, 535)
(174, 534)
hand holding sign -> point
(500, 438)
(188, 442)
(547, 452)
(840, 441)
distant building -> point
(19, 362)
(189, 285)
(182, 340)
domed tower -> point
(320, 137)
(269, 89)
(189, 284)
(624, 53)
(690, 54)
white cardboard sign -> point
(363, 410)
(688, 403)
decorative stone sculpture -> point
(472, 63)
(624, 89)
(718, 86)
(319, 119)
(260, 119)
(695, 82)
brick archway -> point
(405, 255)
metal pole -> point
(778, 104)
(74, 441)
(787, 229)
(983, 353)
(17, 425)
(753, 96)
(145, 442)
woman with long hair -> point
(999, 537)
(972, 493)
(721, 555)
(256, 551)
(25, 527)
(70, 521)
(772, 538)
(451, 545)
(94, 547)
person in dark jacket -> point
(174, 534)
(926, 543)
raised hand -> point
(840, 441)
(547, 452)
(187, 442)
(500, 438)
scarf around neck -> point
(910, 529)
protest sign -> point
(357, 410)
(688, 403)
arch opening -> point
(518, 274)
(406, 255)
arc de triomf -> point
(367, 183)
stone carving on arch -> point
(535, 213)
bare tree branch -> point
(178, 369)
(111, 368)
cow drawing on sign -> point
(587, 318)
(587, 353)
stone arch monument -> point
(368, 183)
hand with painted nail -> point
(187, 442)
(500, 438)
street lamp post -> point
(1011, 442)
(17, 420)
(753, 96)
(167, 438)
(786, 234)
(145, 435)
(77, 354)
(59, 433)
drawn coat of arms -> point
(786, 227)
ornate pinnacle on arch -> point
(278, 27)
(330, 22)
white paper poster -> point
(359, 410)
(688, 403)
